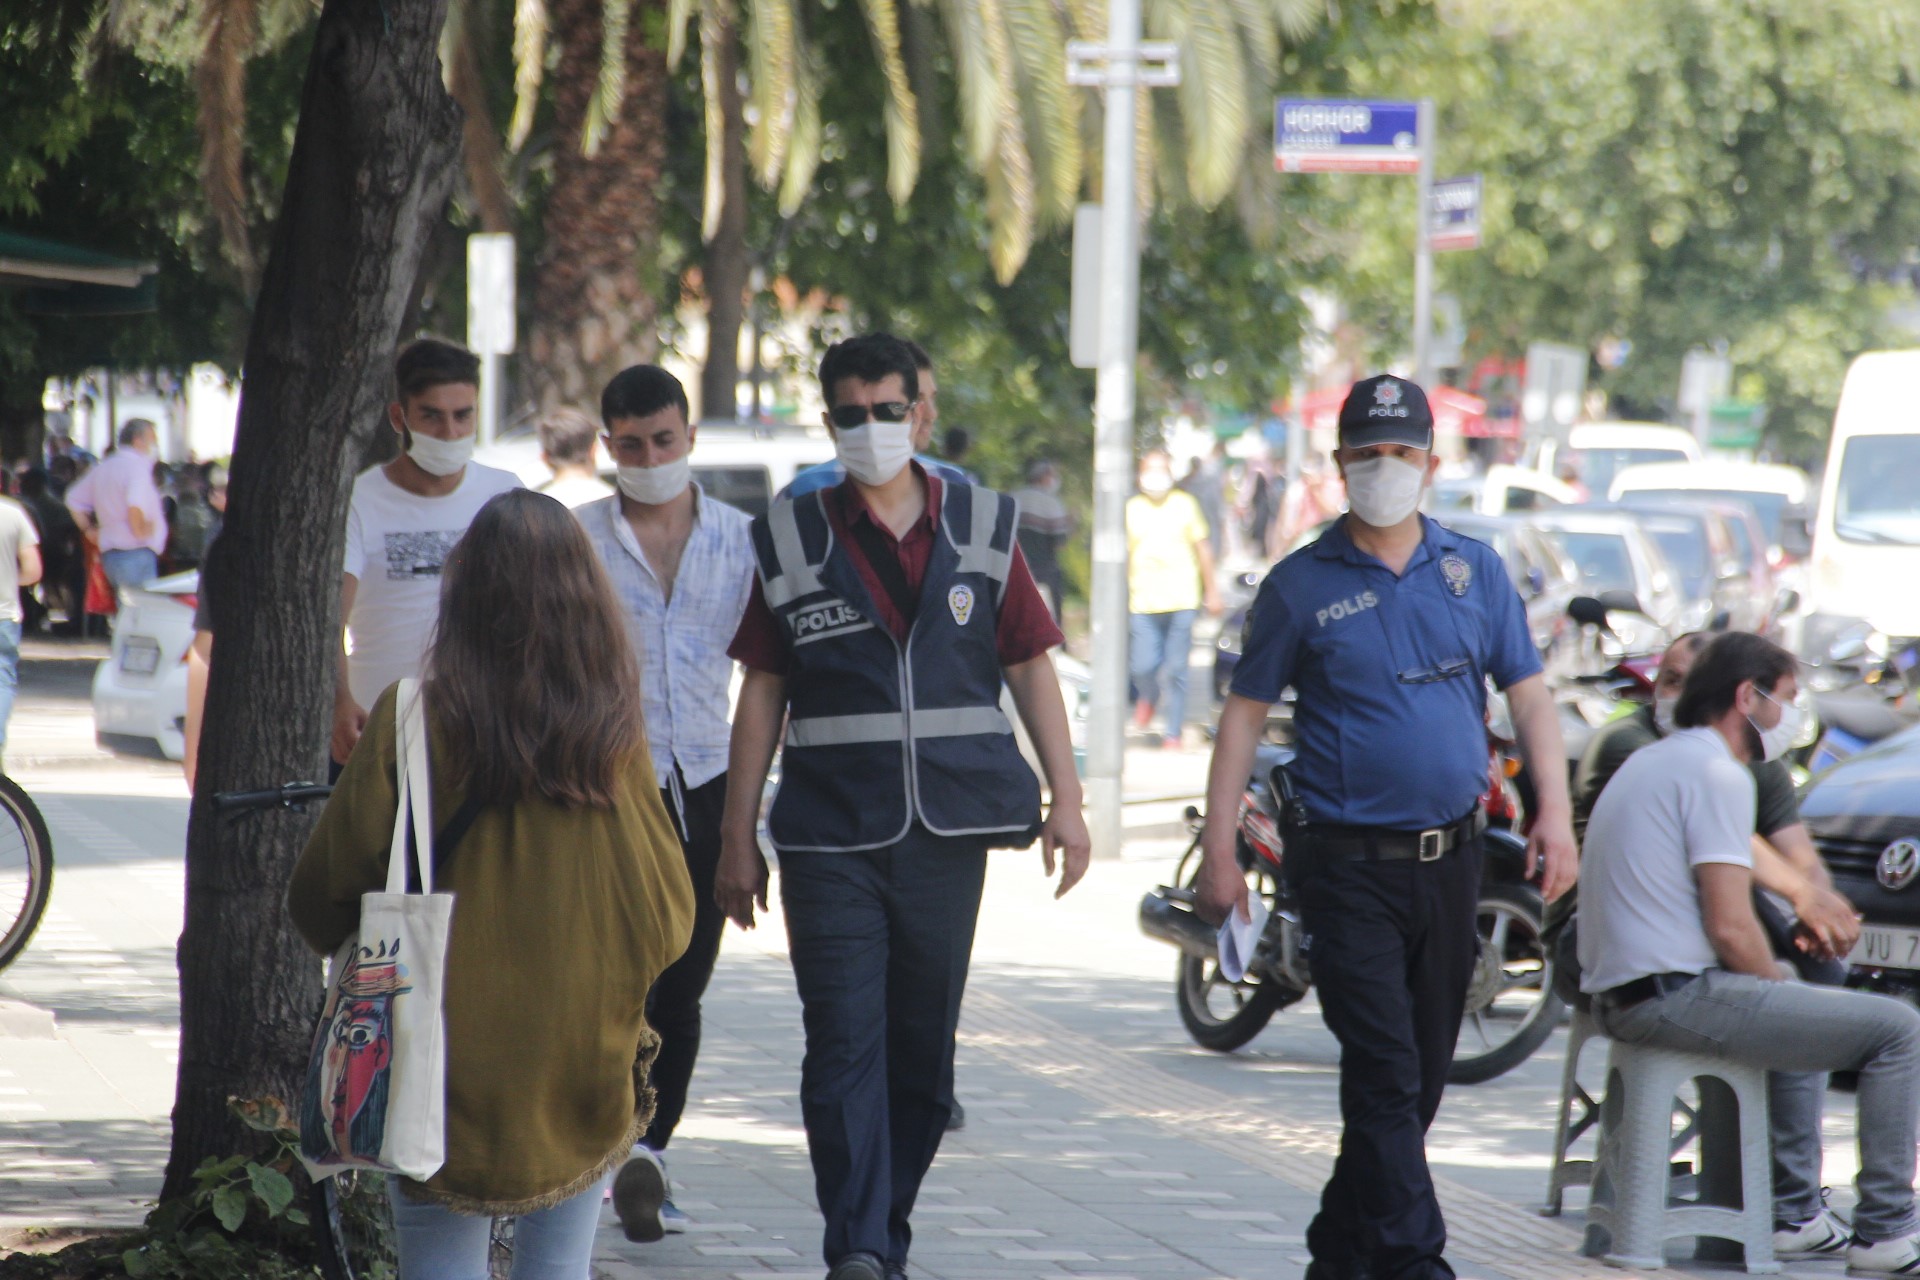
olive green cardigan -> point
(562, 920)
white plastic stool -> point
(1634, 1210)
(1568, 1128)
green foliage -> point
(239, 1222)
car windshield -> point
(1598, 467)
(1770, 507)
(1877, 500)
(1602, 558)
(1685, 546)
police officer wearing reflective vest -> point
(885, 615)
(1386, 628)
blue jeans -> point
(9, 673)
(1161, 646)
(133, 568)
(435, 1243)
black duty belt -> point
(1640, 990)
(1377, 844)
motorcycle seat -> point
(1869, 719)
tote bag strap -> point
(415, 806)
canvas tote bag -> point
(375, 1095)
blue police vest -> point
(880, 734)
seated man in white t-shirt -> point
(404, 518)
(1674, 956)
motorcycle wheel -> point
(1511, 1008)
(1222, 1015)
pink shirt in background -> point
(118, 484)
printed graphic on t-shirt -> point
(411, 556)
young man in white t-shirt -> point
(1674, 956)
(404, 518)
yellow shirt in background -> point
(1163, 570)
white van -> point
(741, 465)
(1866, 536)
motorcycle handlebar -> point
(292, 795)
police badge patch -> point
(960, 604)
(1457, 572)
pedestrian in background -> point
(567, 438)
(570, 894)
(680, 563)
(1045, 526)
(118, 503)
(886, 617)
(19, 569)
(1387, 627)
(1170, 573)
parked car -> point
(1504, 489)
(1541, 572)
(1782, 497)
(1618, 563)
(1699, 544)
(1864, 816)
(140, 690)
(1599, 451)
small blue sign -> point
(1340, 136)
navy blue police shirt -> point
(1390, 723)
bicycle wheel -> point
(26, 869)
(353, 1226)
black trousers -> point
(673, 1006)
(1392, 949)
(880, 942)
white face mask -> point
(440, 457)
(1777, 741)
(1156, 482)
(875, 452)
(1663, 708)
(1384, 491)
(651, 486)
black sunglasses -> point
(856, 415)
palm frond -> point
(1261, 23)
(610, 88)
(679, 14)
(1299, 19)
(1050, 106)
(1011, 201)
(902, 111)
(530, 29)
(773, 37)
(979, 87)
(1086, 19)
(1213, 99)
(220, 87)
(805, 145)
(715, 32)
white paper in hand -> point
(1239, 937)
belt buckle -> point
(1430, 849)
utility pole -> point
(1423, 254)
(1117, 67)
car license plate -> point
(140, 656)
(1887, 947)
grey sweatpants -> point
(1788, 1027)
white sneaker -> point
(1823, 1233)
(1885, 1258)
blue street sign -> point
(1453, 214)
(1339, 136)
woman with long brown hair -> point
(570, 893)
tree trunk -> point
(22, 419)
(595, 289)
(727, 260)
(373, 162)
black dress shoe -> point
(896, 1271)
(858, 1266)
(956, 1118)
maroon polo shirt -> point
(1025, 630)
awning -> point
(62, 279)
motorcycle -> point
(1511, 1007)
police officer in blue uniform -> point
(1387, 628)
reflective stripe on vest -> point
(796, 578)
(890, 726)
(978, 555)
